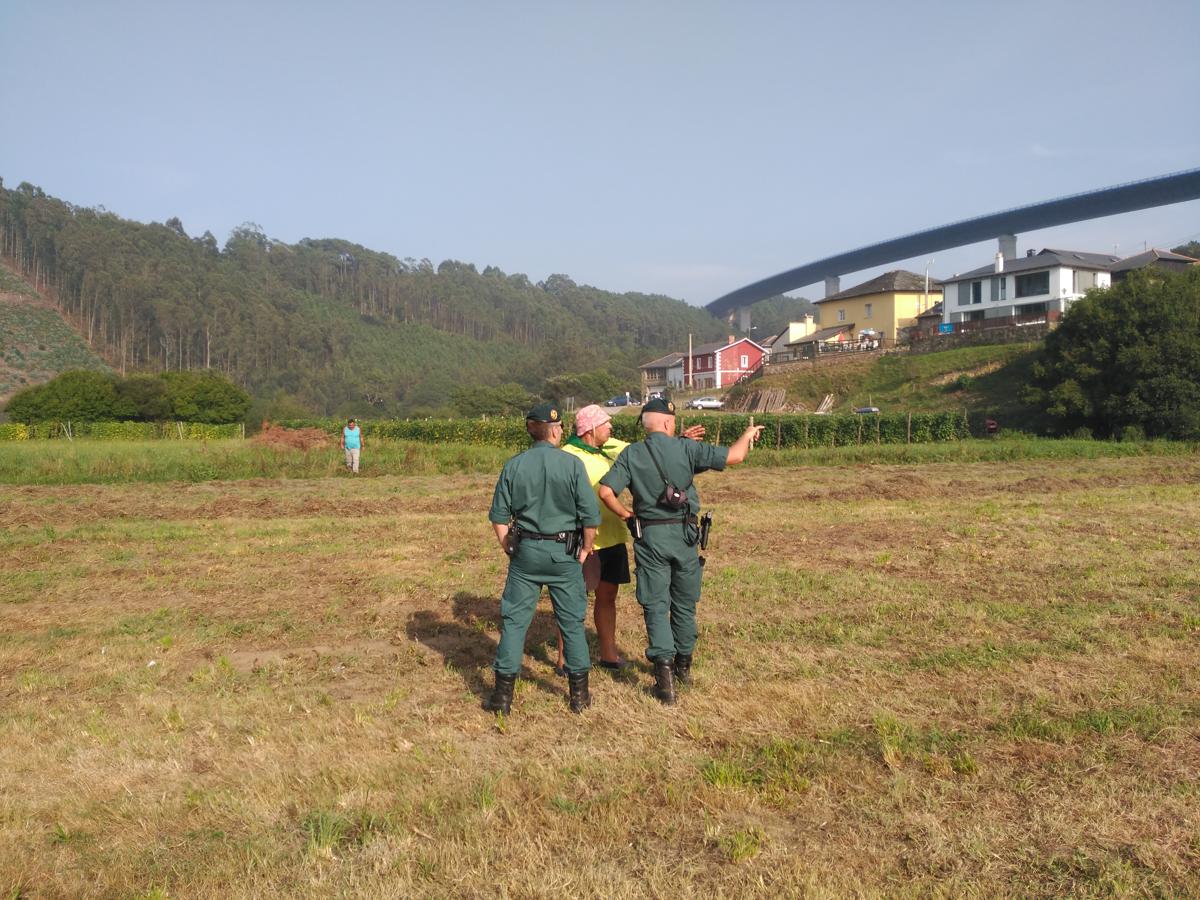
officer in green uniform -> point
(659, 472)
(545, 515)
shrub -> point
(85, 396)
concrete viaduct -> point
(1002, 226)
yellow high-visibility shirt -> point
(612, 529)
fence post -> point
(778, 434)
(908, 440)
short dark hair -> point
(540, 431)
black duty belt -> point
(559, 536)
(647, 522)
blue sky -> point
(685, 148)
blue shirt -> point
(352, 437)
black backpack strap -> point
(661, 473)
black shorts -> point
(614, 564)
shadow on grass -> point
(467, 644)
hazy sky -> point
(684, 148)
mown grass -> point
(115, 462)
(953, 679)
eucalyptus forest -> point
(326, 325)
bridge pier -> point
(1008, 246)
(833, 284)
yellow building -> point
(882, 308)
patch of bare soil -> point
(292, 438)
(986, 369)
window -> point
(1033, 285)
(745, 361)
(1003, 288)
(964, 293)
(976, 291)
(868, 313)
(841, 315)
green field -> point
(962, 678)
(108, 462)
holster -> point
(705, 525)
(514, 539)
(635, 527)
(574, 541)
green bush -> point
(86, 396)
(1127, 357)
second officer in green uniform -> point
(659, 472)
(545, 515)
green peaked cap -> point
(659, 405)
(545, 412)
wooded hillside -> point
(324, 323)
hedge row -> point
(121, 431)
(782, 431)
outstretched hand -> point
(694, 432)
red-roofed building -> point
(721, 364)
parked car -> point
(866, 411)
(619, 400)
(705, 403)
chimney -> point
(999, 262)
(732, 338)
(1028, 253)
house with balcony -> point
(662, 374)
(882, 308)
(1041, 284)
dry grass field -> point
(949, 679)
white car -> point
(705, 403)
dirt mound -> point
(292, 438)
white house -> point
(1034, 284)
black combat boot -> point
(683, 669)
(500, 700)
(581, 697)
(664, 682)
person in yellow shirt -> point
(608, 568)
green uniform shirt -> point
(544, 490)
(680, 458)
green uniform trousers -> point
(668, 588)
(537, 564)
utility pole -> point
(689, 362)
